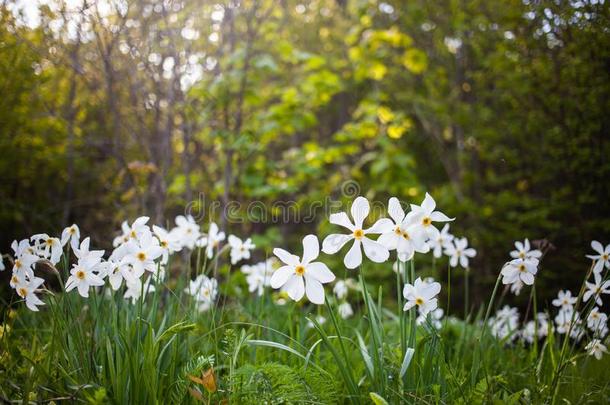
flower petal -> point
(311, 248)
(334, 242)
(375, 250)
(380, 226)
(286, 257)
(314, 290)
(428, 204)
(320, 272)
(353, 258)
(395, 210)
(281, 276)
(360, 210)
(295, 287)
(341, 219)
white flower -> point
(563, 320)
(319, 318)
(564, 300)
(83, 275)
(596, 321)
(529, 331)
(24, 258)
(48, 247)
(187, 232)
(213, 239)
(505, 323)
(345, 310)
(167, 241)
(72, 234)
(602, 258)
(83, 252)
(143, 253)
(425, 214)
(596, 289)
(240, 249)
(523, 251)
(302, 275)
(258, 276)
(441, 242)
(406, 235)
(458, 251)
(26, 290)
(204, 290)
(520, 270)
(133, 232)
(340, 289)
(372, 249)
(136, 288)
(434, 316)
(596, 348)
(516, 287)
(421, 294)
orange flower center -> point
(299, 270)
(80, 275)
(358, 233)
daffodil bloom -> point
(406, 235)
(24, 258)
(520, 270)
(595, 290)
(302, 276)
(84, 275)
(504, 324)
(374, 250)
(596, 321)
(48, 247)
(167, 241)
(345, 310)
(425, 215)
(204, 290)
(71, 234)
(529, 331)
(421, 294)
(433, 316)
(212, 240)
(564, 300)
(83, 252)
(258, 276)
(596, 348)
(133, 232)
(563, 320)
(135, 289)
(459, 252)
(602, 258)
(441, 242)
(340, 289)
(143, 253)
(524, 251)
(240, 250)
(27, 289)
(186, 232)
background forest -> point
(114, 109)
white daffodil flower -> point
(340, 289)
(441, 242)
(27, 289)
(143, 253)
(240, 250)
(595, 290)
(204, 290)
(83, 252)
(602, 258)
(84, 275)
(48, 247)
(524, 251)
(459, 252)
(71, 234)
(168, 242)
(133, 232)
(186, 232)
(372, 249)
(406, 234)
(425, 215)
(421, 294)
(345, 310)
(135, 289)
(565, 300)
(302, 276)
(520, 270)
(596, 348)
(212, 240)
(434, 316)
(596, 321)
(563, 320)
(258, 276)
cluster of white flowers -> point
(139, 258)
(522, 268)
(258, 276)
(341, 290)
(505, 326)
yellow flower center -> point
(132, 234)
(163, 244)
(522, 255)
(141, 256)
(419, 301)
(80, 275)
(14, 280)
(605, 257)
(397, 231)
(358, 233)
(18, 263)
(72, 231)
(405, 235)
(22, 292)
(299, 270)
(49, 242)
(522, 268)
(426, 221)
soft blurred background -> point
(112, 109)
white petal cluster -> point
(523, 267)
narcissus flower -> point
(71, 234)
(48, 247)
(596, 348)
(406, 234)
(240, 249)
(421, 294)
(441, 242)
(204, 290)
(372, 249)
(345, 310)
(425, 215)
(258, 276)
(459, 252)
(301, 276)
(520, 270)
(340, 289)
(595, 290)
(133, 232)
(27, 289)
(596, 321)
(524, 251)
(565, 300)
(434, 317)
(143, 253)
(602, 258)
(186, 232)
(167, 241)
(84, 275)
(212, 240)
